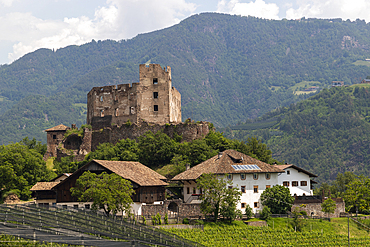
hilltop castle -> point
(153, 100)
(127, 111)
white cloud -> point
(6, 3)
(345, 9)
(119, 19)
(258, 8)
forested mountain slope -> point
(227, 68)
(325, 134)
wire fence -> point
(76, 222)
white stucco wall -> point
(295, 175)
(249, 197)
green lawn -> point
(362, 62)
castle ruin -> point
(128, 111)
(153, 100)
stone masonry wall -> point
(315, 208)
(184, 209)
(189, 132)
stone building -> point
(153, 100)
(127, 111)
(54, 136)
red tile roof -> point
(59, 127)
(134, 171)
(43, 186)
(223, 165)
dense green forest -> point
(227, 68)
(326, 134)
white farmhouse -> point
(297, 180)
(249, 175)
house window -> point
(155, 80)
(268, 176)
(303, 183)
(230, 176)
(87, 206)
(288, 172)
(256, 205)
(155, 95)
(268, 186)
(155, 107)
(255, 176)
(255, 189)
(54, 137)
(194, 191)
(242, 189)
(200, 191)
(75, 206)
(242, 176)
(243, 204)
(187, 190)
(64, 206)
(286, 183)
(230, 187)
(294, 183)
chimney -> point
(219, 155)
(187, 166)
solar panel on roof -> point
(245, 167)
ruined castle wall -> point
(110, 105)
(53, 138)
(189, 132)
(175, 106)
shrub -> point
(185, 221)
(166, 219)
(265, 214)
(144, 220)
(158, 219)
(154, 220)
(128, 123)
(248, 212)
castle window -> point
(101, 113)
(155, 95)
(116, 113)
(155, 80)
(101, 98)
(54, 136)
(155, 107)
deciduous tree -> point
(278, 199)
(328, 206)
(217, 197)
(109, 192)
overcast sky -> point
(26, 25)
